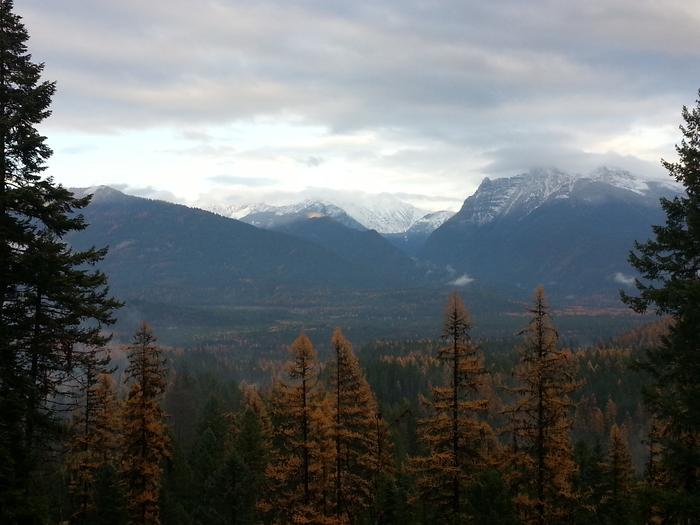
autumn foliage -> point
(457, 439)
(145, 442)
(540, 459)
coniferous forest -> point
(446, 429)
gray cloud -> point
(234, 180)
(513, 83)
(148, 192)
(514, 159)
(312, 161)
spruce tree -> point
(669, 265)
(49, 299)
(145, 442)
(244, 474)
(541, 463)
(457, 439)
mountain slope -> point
(570, 233)
(412, 240)
(365, 248)
(177, 254)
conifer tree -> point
(669, 265)
(49, 301)
(588, 481)
(359, 436)
(244, 478)
(294, 473)
(145, 441)
(94, 444)
(541, 462)
(617, 481)
(651, 501)
(457, 439)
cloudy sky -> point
(233, 99)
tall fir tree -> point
(540, 463)
(145, 442)
(669, 265)
(359, 434)
(457, 439)
(49, 301)
(295, 474)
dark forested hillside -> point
(364, 248)
(167, 251)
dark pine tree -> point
(50, 300)
(670, 268)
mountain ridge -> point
(569, 232)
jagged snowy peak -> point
(620, 179)
(526, 192)
(523, 192)
(384, 213)
(430, 222)
(235, 211)
(270, 217)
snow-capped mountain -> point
(569, 232)
(430, 222)
(234, 211)
(524, 193)
(272, 217)
(383, 212)
(412, 240)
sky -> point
(233, 100)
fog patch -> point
(627, 280)
(462, 280)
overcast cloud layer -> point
(419, 97)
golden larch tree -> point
(145, 441)
(295, 473)
(94, 442)
(359, 440)
(540, 462)
(457, 439)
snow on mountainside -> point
(526, 192)
(384, 213)
(272, 217)
(430, 222)
(381, 212)
(236, 211)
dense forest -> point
(440, 430)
